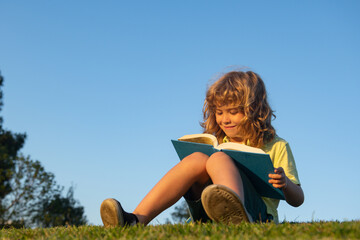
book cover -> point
(256, 166)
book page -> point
(204, 138)
(239, 147)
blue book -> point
(254, 162)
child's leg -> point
(191, 171)
(190, 175)
(225, 200)
(222, 170)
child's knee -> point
(217, 159)
(195, 160)
(197, 156)
(219, 156)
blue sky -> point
(101, 87)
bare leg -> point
(223, 171)
(191, 170)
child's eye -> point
(234, 111)
(218, 113)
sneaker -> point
(223, 205)
(112, 214)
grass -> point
(313, 230)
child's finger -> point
(275, 181)
(275, 176)
(278, 185)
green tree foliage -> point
(61, 211)
(36, 199)
(181, 213)
(29, 195)
(10, 144)
(31, 186)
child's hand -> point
(278, 179)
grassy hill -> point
(313, 230)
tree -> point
(60, 211)
(36, 199)
(31, 185)
(181, 213)
(10, 144)
(29, 195)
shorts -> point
(253, 204)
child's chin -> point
(231, 135)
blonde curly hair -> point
(245, 90)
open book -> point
(254, 162)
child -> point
(235, 110)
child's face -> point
(228, 117)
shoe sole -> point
(222, 204)
(111, 213)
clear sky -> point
(101, 87)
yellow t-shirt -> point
(281, 156)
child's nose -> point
(226, 118)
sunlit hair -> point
(244, 90)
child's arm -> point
(293, 193)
